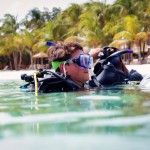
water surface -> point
(110, 118)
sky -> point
(20, 8)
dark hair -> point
(63, 51)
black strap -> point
(68, 81)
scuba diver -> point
(71, 66)
(111, 70)
(73, 70)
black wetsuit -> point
(55, 82)
(106, 75)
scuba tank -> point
(48, 81)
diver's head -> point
(69, 59)
(107, 51)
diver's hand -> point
(94, 52)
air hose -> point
(36, 83)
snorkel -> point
(104, 55)
(49, 43)
(118, 53)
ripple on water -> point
(55, 117)
(98, 97)
(120, 121)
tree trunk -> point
(148, 52)
(139, 52)
(15, 58)
(148, 43)
(31, 59)
(20, 59)
(143, 57)
(10, 64)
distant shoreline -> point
(144, 69)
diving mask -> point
(83, 60)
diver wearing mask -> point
(71, 69)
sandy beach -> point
(144, 69)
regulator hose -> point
(36, 83)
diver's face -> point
(77, 73)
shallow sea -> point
(109, 118)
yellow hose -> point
(36, 84)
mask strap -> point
(64, 69)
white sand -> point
(144, 69)
(15, 75)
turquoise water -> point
(110, 118)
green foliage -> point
(96, 23)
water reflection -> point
(121, 111)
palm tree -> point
(143, 14)
(99, 9)
(54, 13)
(9, 25)
(9, 30)
(126, 7)
(92, 24)
(29, 40)
(54, 31)
(70, 18)
(8, 48)
(133, 7)
(148, 43)
(17, 53)
(90, 29)
(3, 52)
(33, 19)
(74, 38)
(128, 28)
(141, 38)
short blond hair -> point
(63, 51)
